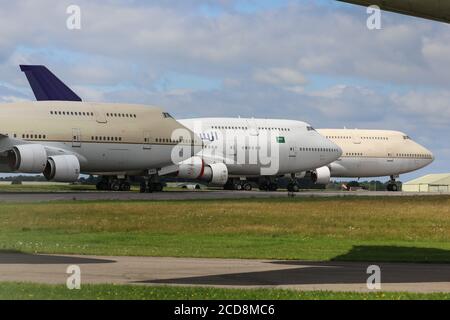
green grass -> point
(359, 229)
(44, 187)
(16, 291)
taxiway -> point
(226, 273)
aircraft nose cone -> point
(430, 155)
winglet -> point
(46, 86)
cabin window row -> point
(168, 140)
(229, 127)
(103, 138)
(246, 128)
(280, 129)
(71, 113)
(364, 138)
(316, 149)
(408, 155)
(32, 136)
(121, 115)
(375, 138)
(353, 154)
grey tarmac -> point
(224, 273)
(192, 195)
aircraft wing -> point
(438, 10)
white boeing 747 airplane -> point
(247, 147)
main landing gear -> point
(392, 185)
(152, 185)
(235, 184)
(113, 184)
(293, 187)
(293, 184)
(268, 184)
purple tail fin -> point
(46, 86)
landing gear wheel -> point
(125, 186)
(115, 186)
(293, 187)
(237, 186)
(392, 187)
(247, 187)
(263, 187)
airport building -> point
(429, 183)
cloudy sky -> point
(311, 60)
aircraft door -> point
(292, 151)
(147, 140)
(76, 137)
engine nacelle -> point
(191, 168)
(28, 158)
(64, 168)
(321, 175)
(216, 173)
(195, 168)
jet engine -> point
(64, 168)
(321, 175)
(196, 169)
(28, 158)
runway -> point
(192, 195)
(226, 273)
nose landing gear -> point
(392, 185)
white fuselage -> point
(375, 153)
(262, 147)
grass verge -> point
(28, 291)
(358, 229)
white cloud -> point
(280, 77)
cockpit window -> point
(167, 115)
(406, 138)
(309, 128)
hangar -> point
(429, 183)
